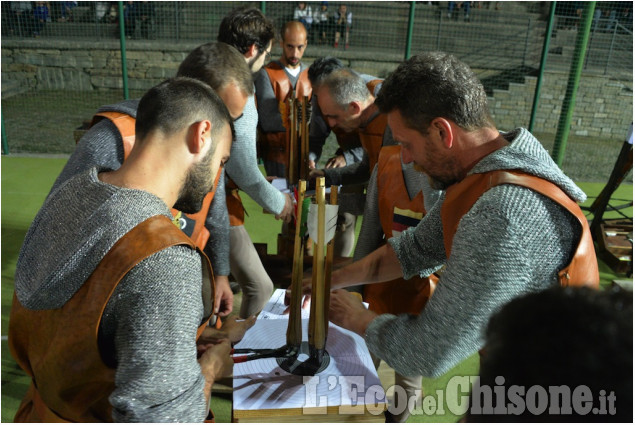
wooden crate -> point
(616, 245)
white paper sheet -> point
(350, 379)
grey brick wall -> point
(604, 108)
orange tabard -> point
(372, 137)
(192, 225)
(397, 212)
(583, 268)
(59, 348)
(274, 147)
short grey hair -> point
(346, 86)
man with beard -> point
(275, 83)
(109, 306)
(251, 33)
(112, 134)
(507, 224)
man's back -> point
(88, 217)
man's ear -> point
(199, 136)
(444, 130)
(251, 52)
(356, 108)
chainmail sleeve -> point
(152, 317)
(485, 270)
(217, 222)
(242, 166)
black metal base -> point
(318, 360)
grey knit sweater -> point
(242, 166)
(102, 147)
(151, 319)
(513, 241)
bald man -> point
(276, 82)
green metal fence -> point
(56, 71)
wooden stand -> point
(334, 414)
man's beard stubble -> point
(198, 183)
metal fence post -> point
(543, 62)
(177, 20)
(527, 34)
(562, 133)
(122, 41)
(411, 24)
(5, 144)
(439, 31)
(608, 57)
(263, 7)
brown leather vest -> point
(399, 295)
(274, 147)
(192, 224)
(583, 268)
(59, 348)
(372, 137)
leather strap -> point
(583, 268)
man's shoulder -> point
(128, 106)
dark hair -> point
(246, 26)
(432, 85)
(175, 104)
(563, 336)
(345, 86)
(322, 68)
(218, 64)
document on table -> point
(350, 379)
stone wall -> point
(604, 108)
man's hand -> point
(224, 300)
(288, 212)
(307, 284)
(338, 161)
(233, 329)
(215, 360)
(346, 310)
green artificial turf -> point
(25, 184)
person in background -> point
(41, 15)
(346, 102)
(322, 21)
(274, 83)
(251, 33)
(304, 14)
(343, 21)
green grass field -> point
(26, 182)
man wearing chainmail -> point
(397, 198)
(223, 68)
(111, 297)
(507, 224)
(251, 33)
(346, 102)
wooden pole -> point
(294, 329)
(304, 140)
(317, 332)
(328, 268)
(293, 140)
